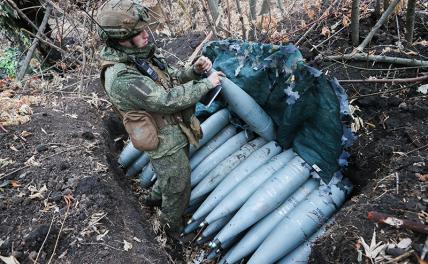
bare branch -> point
(398, 80)
(30, 52)
(380, 58)
(379, 23)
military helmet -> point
(122, 19)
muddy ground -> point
(89, 212)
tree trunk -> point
(355, 22)
(379, 23)
(213, 6)
(30, 52)
(241, 18)
(410, 20)
(281, 6)
(377, 9)
(253, 14)
(385, 4)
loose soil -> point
(391, 152)
(76, 142)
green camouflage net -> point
(306, 107)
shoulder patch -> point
(138, 88)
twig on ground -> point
(327, 39)
(44, 158)
(69, 201)
(101, 244)
(391, 220)
(3, 129)
(379, 58)
(401, 257)
(378, 93)
(416, 149)
(304, 35)
(44, 241)
(398, 80)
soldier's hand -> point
(215, 78)
(202, 65)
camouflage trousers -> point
(173, 187)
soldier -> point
(155, 101)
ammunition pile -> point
(250, 198)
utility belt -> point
(163, 120)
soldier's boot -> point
(150, 202)
(155, 197)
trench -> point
(114, 130)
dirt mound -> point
(391, 153)
(67, 198)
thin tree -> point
(377, 9)
(385, 4)
(410, 20)
(355, 22)
(213, 6)
(253, 14)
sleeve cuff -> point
(207, 83)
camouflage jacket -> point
(128, 89)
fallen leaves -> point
(325, 31)
(99, 167)
(422, 177)
(423, 89)
(375, 250)
(94, 225)
(16, 110)
(74, 116)
(5, 162)
(9, 260)
(346, 21)
(25, 134)
(126, 245)
(15, 184)
(32, 162)
(37, 193)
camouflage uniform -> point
(170, 159)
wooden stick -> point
(401, 257)
(21, 14)
(397, 222)
(229, 19)
(198, 49)
(207, 16)
(45, 41)
(380, 58)
(306, 33)
(355, 22)
(403, 80)
(33, 47)
(241, 18)
(379, 23)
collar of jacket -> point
(122, 54)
